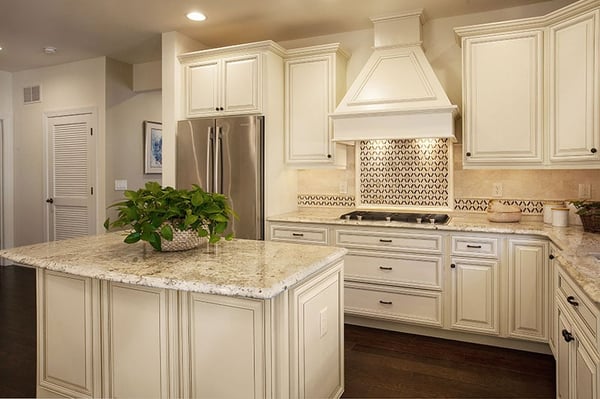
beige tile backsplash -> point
(516, 184)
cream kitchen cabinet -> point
(503, 99)
(393, 275)
(530, 91)
(475, 284)
(577, 320)
(227, 81)
(101, 338)
(314, 84)
(528, 282)
(553, 270)
(294, 232)
(574, 73)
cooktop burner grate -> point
(438, 218)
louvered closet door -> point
(71, 167)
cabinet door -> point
(503, 103)
(552, 322)
(563, 356)
(68, 351)
(223, 341)
(573, 82)
(528, 289)
(203, 88)
(136, 341)
(586, 372)
(241, 84)
(475, 295)
(308, 87)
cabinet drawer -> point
(475, 246)
(313, 235)
(413, 306)
(389, 241)
(396, 269)
(583, 311)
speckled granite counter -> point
(248, 268)
(575, 244)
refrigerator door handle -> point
(209, 149)
(219, 161)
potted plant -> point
(589, 212)
(161, 215)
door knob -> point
(50, 200)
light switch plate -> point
(120, 185)
(585, 191)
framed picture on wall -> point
(152, 147)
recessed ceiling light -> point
(0, 48)
(196, 16)
(50, 50)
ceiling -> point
(129, 30)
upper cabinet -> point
(531, 91)
(225, 81)
(314, 84)
(573, 88)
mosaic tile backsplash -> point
(404, 172)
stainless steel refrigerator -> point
(226, 155)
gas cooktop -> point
(434, 218)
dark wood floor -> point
(379, 364)
(17, 332)
(386, 364)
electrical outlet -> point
(323, 321)
(120, 185)
(497, 190)
(343, 187)
(585, 191)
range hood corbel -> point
(397, 94)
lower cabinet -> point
(106, 339)
(475, 295)
(577, 345)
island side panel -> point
(68, 335)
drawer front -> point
(393, 304)
(421, 243)
(312, 235)
(582, 309)
(475, 246)
(395, 269)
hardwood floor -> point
(386, 364)
(17, 332)
(379, 364)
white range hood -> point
(396, 95)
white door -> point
(71, 176)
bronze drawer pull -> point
(567, 336)
(473, 246)
(382, 240)
(572, 301)
(385, 268)
(298, 234)
(385, 302)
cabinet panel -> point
(241, 84)
(225, 357)
(527, 289)
(475, 246)
(573, 115)
(586, 373)
(585, 312)
(68, 356)
(475, 295)
(395, 269)
(563, 358)
(503, 101)
(300, 234)
(414, 306)
(137, 342)
(202, 94)
(389, 241)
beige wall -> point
(444, 54)
(64, 87)
(125, 113)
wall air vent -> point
(31, 95)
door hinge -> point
(92, 190)
(91, 131)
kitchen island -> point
(236, 319)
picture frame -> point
(152, 147)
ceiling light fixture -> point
(196, 16)
(50, 50)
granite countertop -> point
(248, 268)
(575, 245)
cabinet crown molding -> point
(317, 50)
(532, 23)
(266, 45)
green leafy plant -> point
(153, 211)
(587, 207)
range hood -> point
(396, 95)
